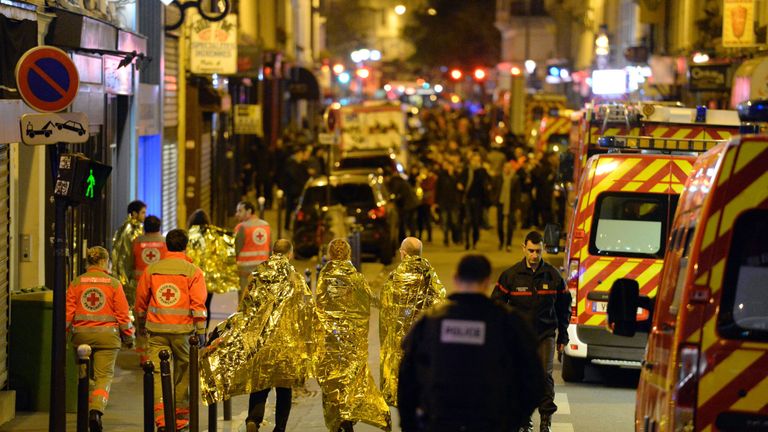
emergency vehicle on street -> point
(706, 364)
(626, 199)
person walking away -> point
(469, 363)
(276, 320)
(411, 288)
(544, 178)
(170, 306)
(122, 247)
(212, 249)
(97, 315)
(406, 202)
(252, 240)
(535, 289)
(448, 199)
(296, 175)
(526, 194)
(476, 182)
(343, 309)
(427, 183)
(509, 196)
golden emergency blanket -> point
(213, 250)
(411, 288)
(349, 391)
(266, 345)
(122, 254)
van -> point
(705, 367)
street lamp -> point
(400, 9)
(602, 43)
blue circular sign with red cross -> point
(47, 79)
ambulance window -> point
(630, 224)
(744, 305)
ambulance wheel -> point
(573, 368)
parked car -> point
(363, 197)
(369, 161)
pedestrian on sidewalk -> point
(509, 198)
(213, 250)
(97, 315)
(170, 306)
(148, 248)
(122, 247)
(344, 309)
(476, 185)
(535, 289)
(252, 240)
(469, 363)
(266, 344)
(411, 288)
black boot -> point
(94, 421)
(252, 425)
(528, 427)
(546, 424)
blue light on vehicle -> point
(554, 71)
(753, 111)
(344, 77)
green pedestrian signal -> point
(91, 183)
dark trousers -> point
(505, 225)
(424, 221)
(473, 218)
(208, 301)
(407, 223)
(449, 218)
(258, 400)
(547, 355)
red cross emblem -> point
(260, 236)
(92, 299)
(150, 255)
(168, 294)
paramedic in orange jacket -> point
(97, 315)
(252, 240)
(170, 306)
(148, 248)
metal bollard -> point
(169, 403)
(212, 420)
(308, 277)
(149, 396)
(261, 201)
(84, 356)
(279, 195)
(194, 384)
(228, 410)
(318, 267)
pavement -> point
(124, 412)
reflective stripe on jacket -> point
(170, 296)
(147, 249)
(252, 238)
(96, 303)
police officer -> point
(148, 248)
(97, 315)
(469, 364)
(170, 305)
(122, 246)
(536, 290)
(252, 240)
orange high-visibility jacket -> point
(170, 296)
(96, 303)
(252, 240)
(147, 249)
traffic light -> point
(79, 178)
(456, 74)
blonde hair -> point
(95, 255)
(339, 249)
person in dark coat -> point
(544, 177)
(296, 175)
(407, 204)
(469, 363)
(476, 184)
(536, 290)
(448, 199)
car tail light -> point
(300, 215)
(378, 212)
(573, 285)
(685, 393)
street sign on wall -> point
(248, 119)
(45, 129)
(47, 79)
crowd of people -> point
(469, 361)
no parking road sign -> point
(47, 79)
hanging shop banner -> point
(213, 45)
(708, 77)
(738, 23)
(248, 119)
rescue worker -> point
(148, 248)
(536, 290)
(252, 240)
(97, 315)
(469, 363)
(411, 288)
(343, 308)
(170, 306)
(213, 250)
(122, 247)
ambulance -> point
(706, 364)
(627, 196)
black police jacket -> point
(469, 364)
(539, 296)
